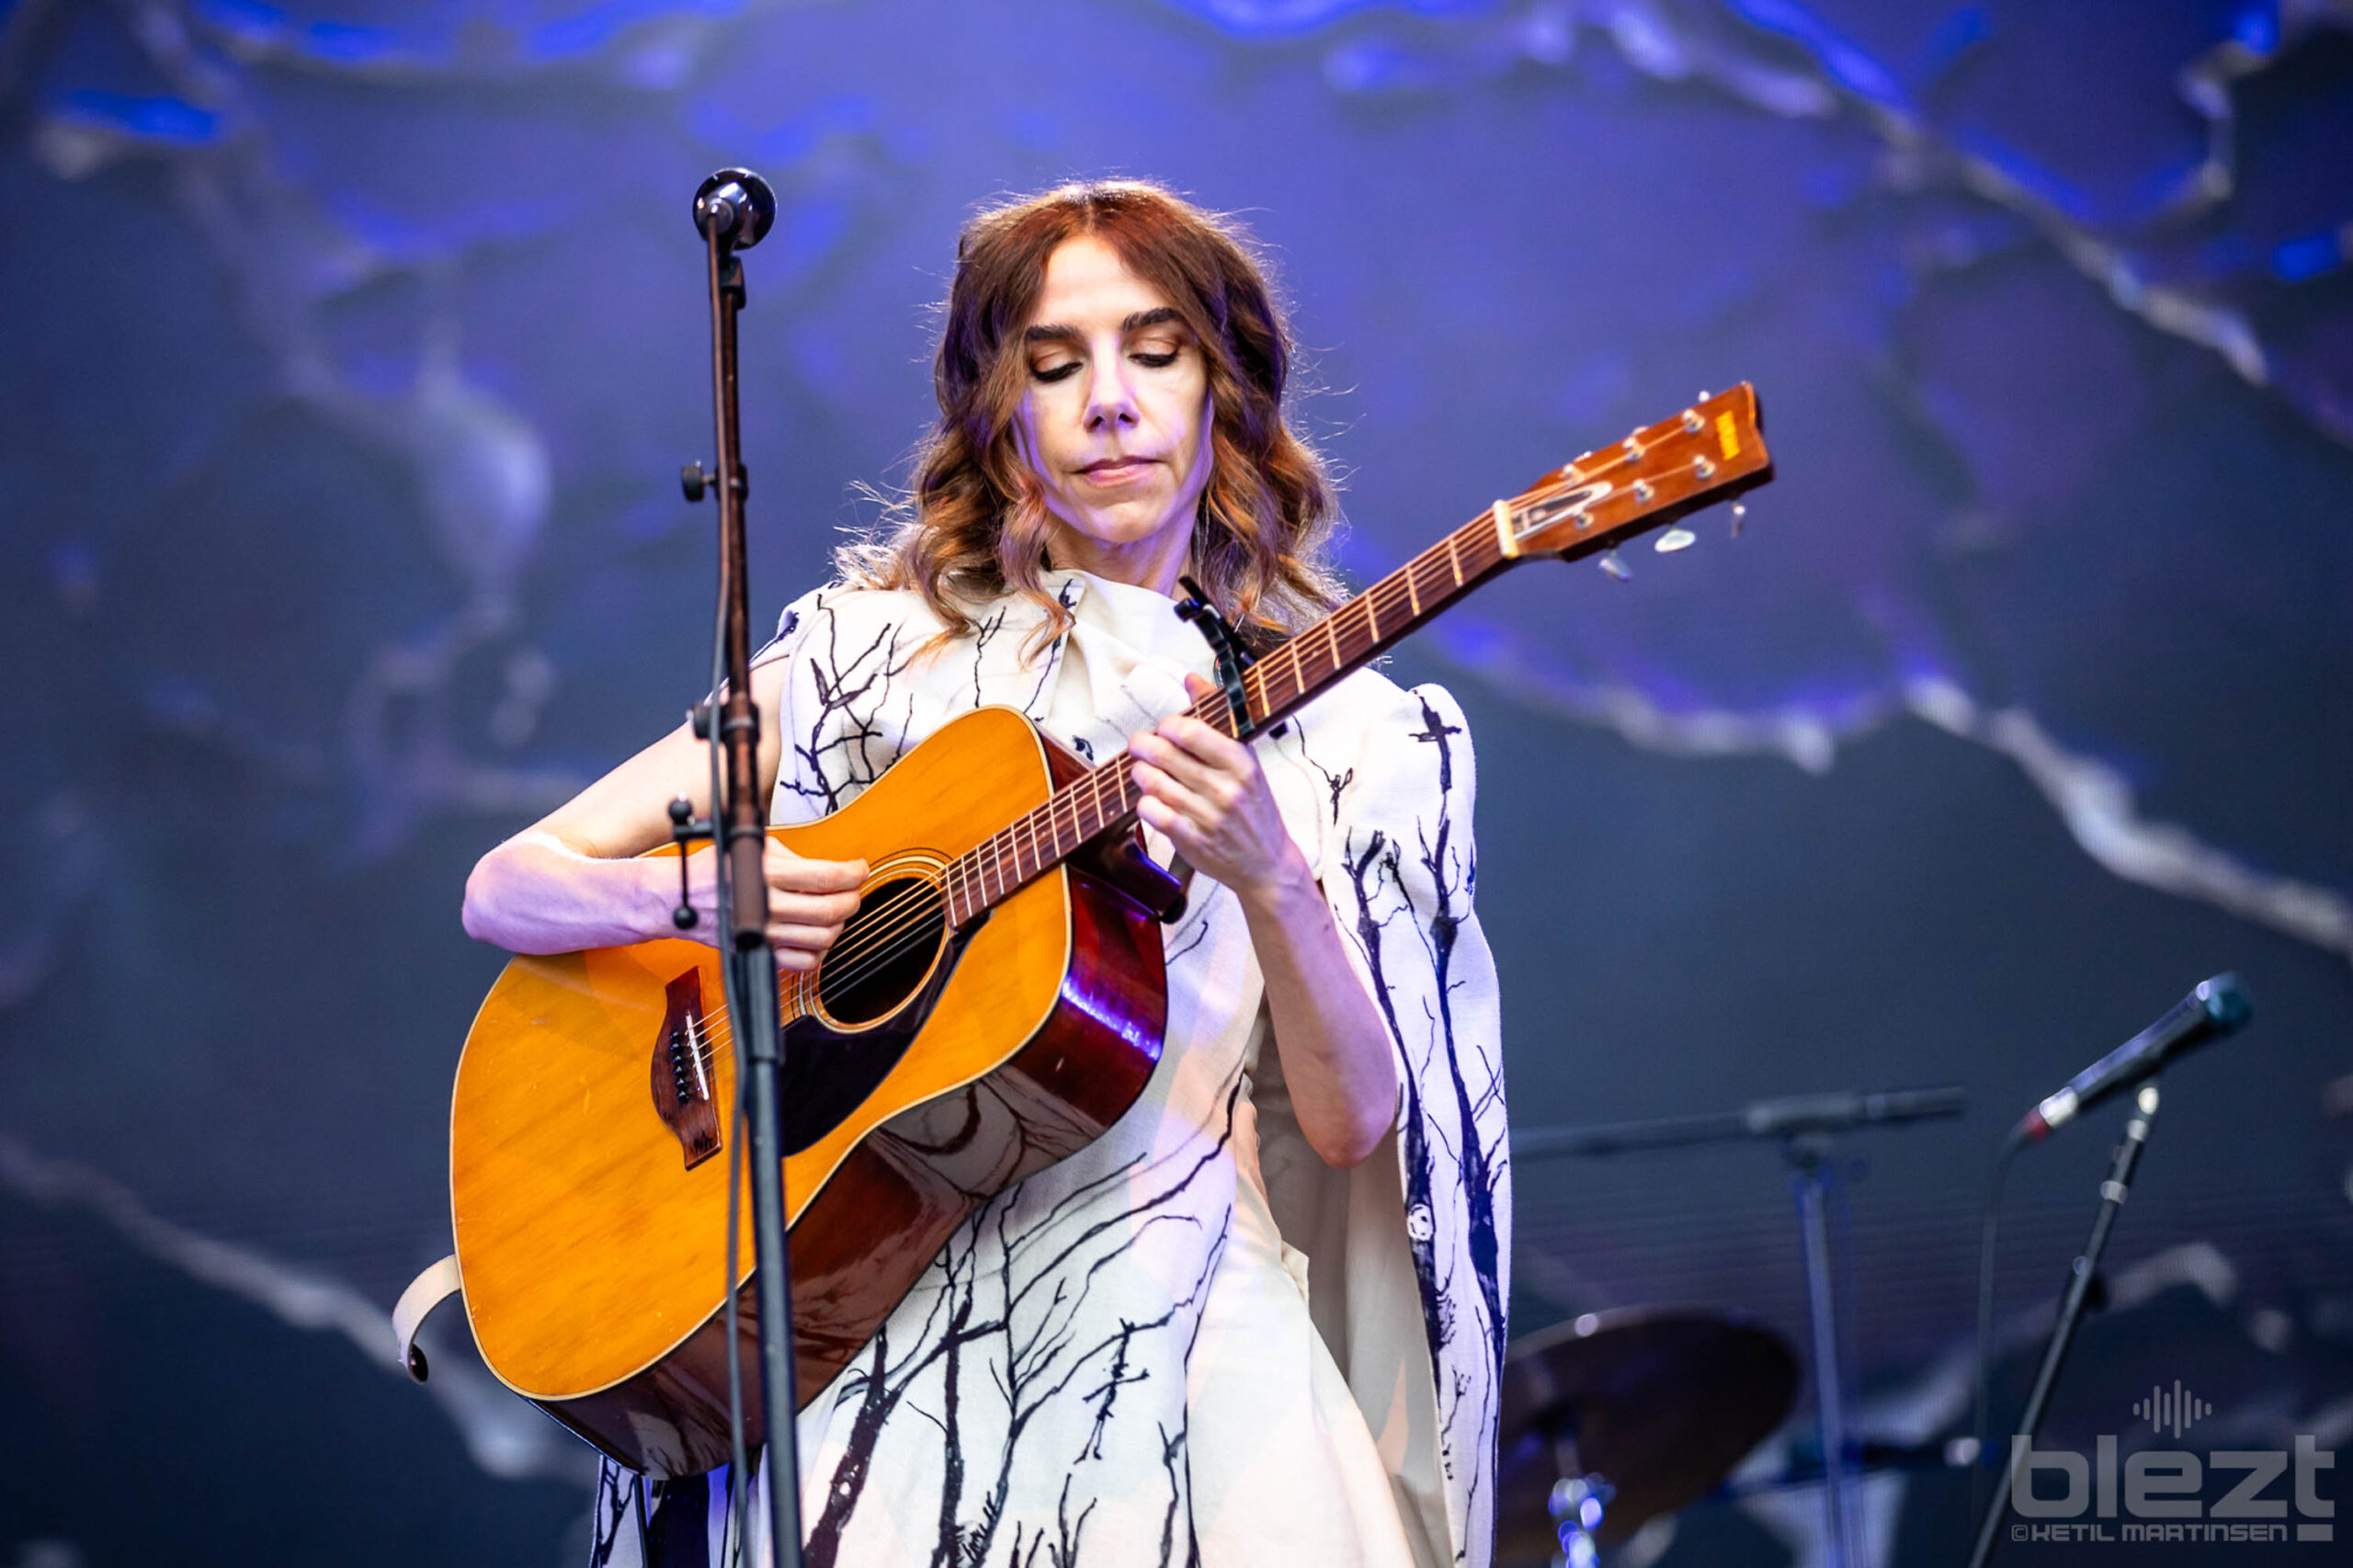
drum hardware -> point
(1804, 1125)
(1614, 1418)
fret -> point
(1371, 620)
(1412, 598)
(1258, 687)
(1332, 636)
(1055, 821)
(1095, 782)
(1454, 556)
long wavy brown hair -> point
(974, 525)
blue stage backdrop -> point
(349, 349)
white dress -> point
(1192, 1341)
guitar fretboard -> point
(1276, 684)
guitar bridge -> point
(682, 1071)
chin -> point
(1129, 525)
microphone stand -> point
(1803, 1124)
(2112, 1193)
(733, 209)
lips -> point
(1116, 469)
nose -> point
(1110, 401)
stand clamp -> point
(685, 828)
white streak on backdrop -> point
(507, 1438)
(2093, 800)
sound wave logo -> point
(2178, 1409)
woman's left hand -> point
(1206, 792)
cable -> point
(1979, 1403)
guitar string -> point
(914, 908)
(884, 944)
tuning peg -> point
(1617, 568)
(1674, 539)
(1739, 516)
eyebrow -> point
(1162, 315)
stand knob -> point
(685, 830)
(694, 479)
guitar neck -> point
(1711, 451)
(1277, 685)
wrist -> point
(1287, 887)
(649, 891)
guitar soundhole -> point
(881, 956)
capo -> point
(1225, 643)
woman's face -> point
(1113, 421)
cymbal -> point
(1661, 1405)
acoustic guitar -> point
(995, 1003)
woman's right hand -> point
(808, 902)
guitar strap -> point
(424, 1292)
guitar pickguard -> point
(828, 1071)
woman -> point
(1260, 1320)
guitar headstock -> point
(1711, 451)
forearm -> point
(535, 894)
(1336, 1049)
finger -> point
(1170, 823)
(794, 873)
(802, 938)
(1222, 790)
(1173, 760)
(1171, 794)
(811, 908)
(1196, 754)
(1218, 750)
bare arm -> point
(571, 881)
(1206, 792)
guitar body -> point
(588, 1175)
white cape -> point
(1026, 1403)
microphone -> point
(2216, 1007)
(739, 204)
